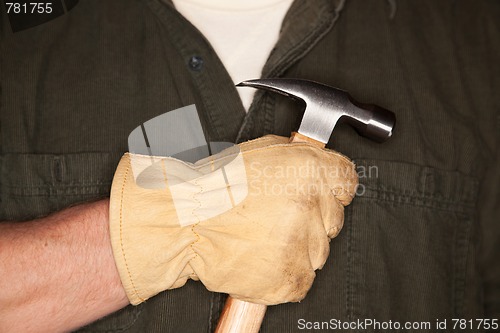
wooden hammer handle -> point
(240, 317)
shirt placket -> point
(216, 98)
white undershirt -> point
(242, 33)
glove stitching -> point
(195, 224)
(121, 234)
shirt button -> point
(196, 63)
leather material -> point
(263, 249)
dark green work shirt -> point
(421, 240)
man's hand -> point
(57, 273)
(255, 223)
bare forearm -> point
(58, 273)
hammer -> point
(325, 107)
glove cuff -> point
(150, 258)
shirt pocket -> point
(34, 185)
(411, 242)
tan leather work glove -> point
(254, 224)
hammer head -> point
(326, 106)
